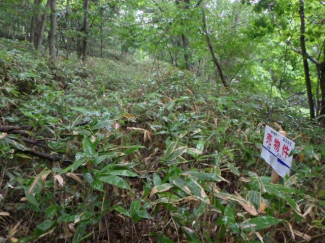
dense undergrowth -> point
(124, 151)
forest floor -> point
(126, 151)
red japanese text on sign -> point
(277, 145)
(269, 139)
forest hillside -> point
(144, 121)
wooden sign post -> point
(275, 151)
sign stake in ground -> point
(275, 151)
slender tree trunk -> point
(35, 21)
(214, 57)
(321, 70)
(52, 32)
(32, 30)
(305, 60)
(67, 21)
(41, 28)
(85, 28)
(185, 40)
(101, 32)
(186, 54)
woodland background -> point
(142, 121)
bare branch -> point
(312, 59)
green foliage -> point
(167, 150)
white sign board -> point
(275, 151)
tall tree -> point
(34, 20)
(85, 29)
(184, 38)
(52, 33)
(211, 49)
(320, 65)
(305, 59)
(41, 28)
(68, 25)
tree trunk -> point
(214, 57)
(32, 30)
(186, 54)
(41, 28)
(67, 16)
(321, 70)
(185, 40)
(52, 32)
(101, 32)
(85, 29)
(305, 60)
(35, 21)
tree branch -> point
(312, 59)
(12, 128)
(198, 3)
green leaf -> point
(88, 147)
(88, 177)
(80, 231)
(203, 176)
(191, 187)
(120, 173)
(121, 210)
(101, 158)
(229, 219)
(200, 145)
(164, 239)
(156, 179)
(233, 169)
(135, 205)
(51, 211)
(259, 223)
(116, 181)
(161, 188)
(175, 154)
(44, 227)
(31, 199)
(273, 190)
(143, 214)
(75, 165)
(132, 149)
(137, 212)
(169, 150)
(16, 144)
(102, 124)
(194, 152)
(116, 167)
(191, 235)
(255, 198)
(86, 111)
(98, 185)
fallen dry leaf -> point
(302, 235)
(23, 199)
(291, 230)
(42, 176)
(75, 177)
(259, 236)
(4, 214)
(247, 205)
(59, 179)
(262, 207)
(308, 210)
